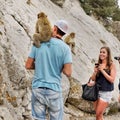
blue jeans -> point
(45, 99)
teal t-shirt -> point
(49, 60)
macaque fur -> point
(70, 41)
(43, 30)
(28, 2)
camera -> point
(117, 58)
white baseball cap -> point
(62, 25)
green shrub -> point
(102, 8)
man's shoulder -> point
(58, 42)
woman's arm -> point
(119, 98)
(93, 77)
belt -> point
(43, 88)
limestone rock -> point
(74, 97)
(116, 29)
(58, 2)
(5, 114)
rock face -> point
(58, 2)
(17, 25)
(74, 97)
(116, 29)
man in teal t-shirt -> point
(49, 61)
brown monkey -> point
(28, 2)
(70, 41)
(43, 30)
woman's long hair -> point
(109, 58)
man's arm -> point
(30, 63)
(67, 69)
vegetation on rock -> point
(102, 8)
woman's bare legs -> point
(100, 107)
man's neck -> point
(58, 36)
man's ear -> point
(54, 28)
(54, 31)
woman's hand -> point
(110, 77)
(96, 68)
(101, 67)
(91, 83)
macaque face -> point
(72, 35)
